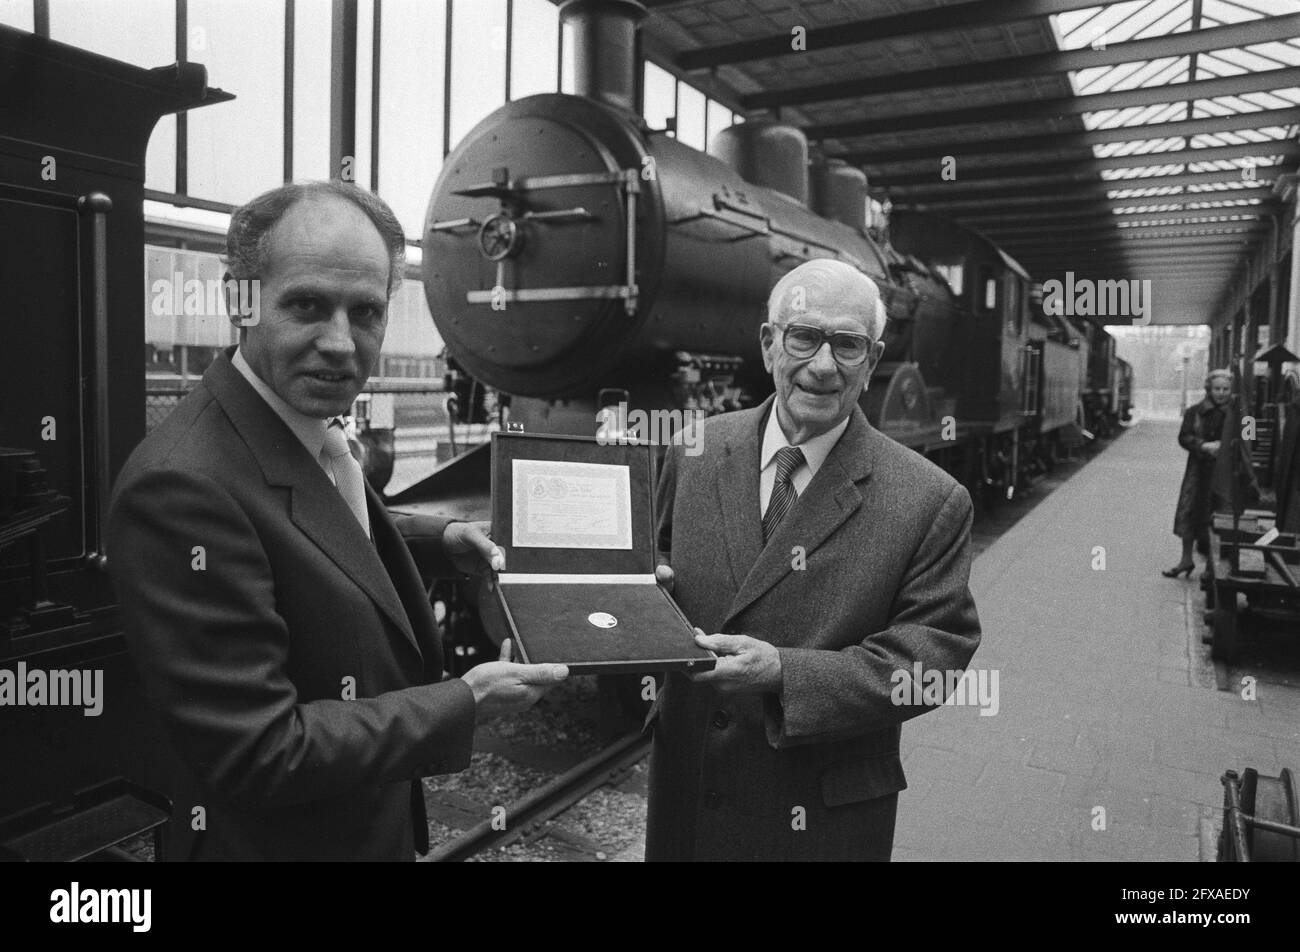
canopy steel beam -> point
(1216, 243)
(1084, 168)
(1201, 259)
(1110, 270)
(1081, 211)
(973, 208)
(1083, 266)
(916, 116)
(1262, 30)
(1175, 256)
(1047, 229)
(1201, 266)
(1262, 174)
(958, 16)
(978, 149)
(1040, 251)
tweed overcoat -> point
(866, 576)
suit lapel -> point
(323, 516)
(406, 581)
(736, 487)
(825, 504)
(315, 507)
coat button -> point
(720, 719)
(712, 800)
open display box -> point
(576, 520)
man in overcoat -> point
(826, 561)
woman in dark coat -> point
(1200, 433)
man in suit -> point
(272, 605)
(825, 558)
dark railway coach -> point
(79, 765)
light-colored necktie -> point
(347, 473)
(788, 459)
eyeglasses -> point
(802, 341)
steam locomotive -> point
(577, 260)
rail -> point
(530, 812)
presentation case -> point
(576, 520)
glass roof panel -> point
(1138, 19)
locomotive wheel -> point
(1271, 798)
(1226, 624)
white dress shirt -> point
(309, 430)
(815, 452)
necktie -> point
(347, 473)
(788, 459)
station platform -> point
(1107, 698)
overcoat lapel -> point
(823, 507)
(315, 506)
(737, 493)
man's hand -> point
(502, 687)
(1210, 448)
(664, 576)
(746, 665)
(470, 550)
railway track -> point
(531, 813)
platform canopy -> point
(1140, 140)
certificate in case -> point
(576, 521)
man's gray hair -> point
(247, 244)
(821, 272)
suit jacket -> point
(813, 773)
(293, 663)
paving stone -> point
(1107, 694)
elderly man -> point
(825, 558)
(272, 605)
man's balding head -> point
(827, 278)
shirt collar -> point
(815, 450)
(309, 430)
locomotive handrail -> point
(603, 292)
(804, 239)
(452, 224)
(98, 205)
(752, 231)
(720, 202)
(559, 215)
(537, 182)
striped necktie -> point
(347, 472)
(788, 459)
